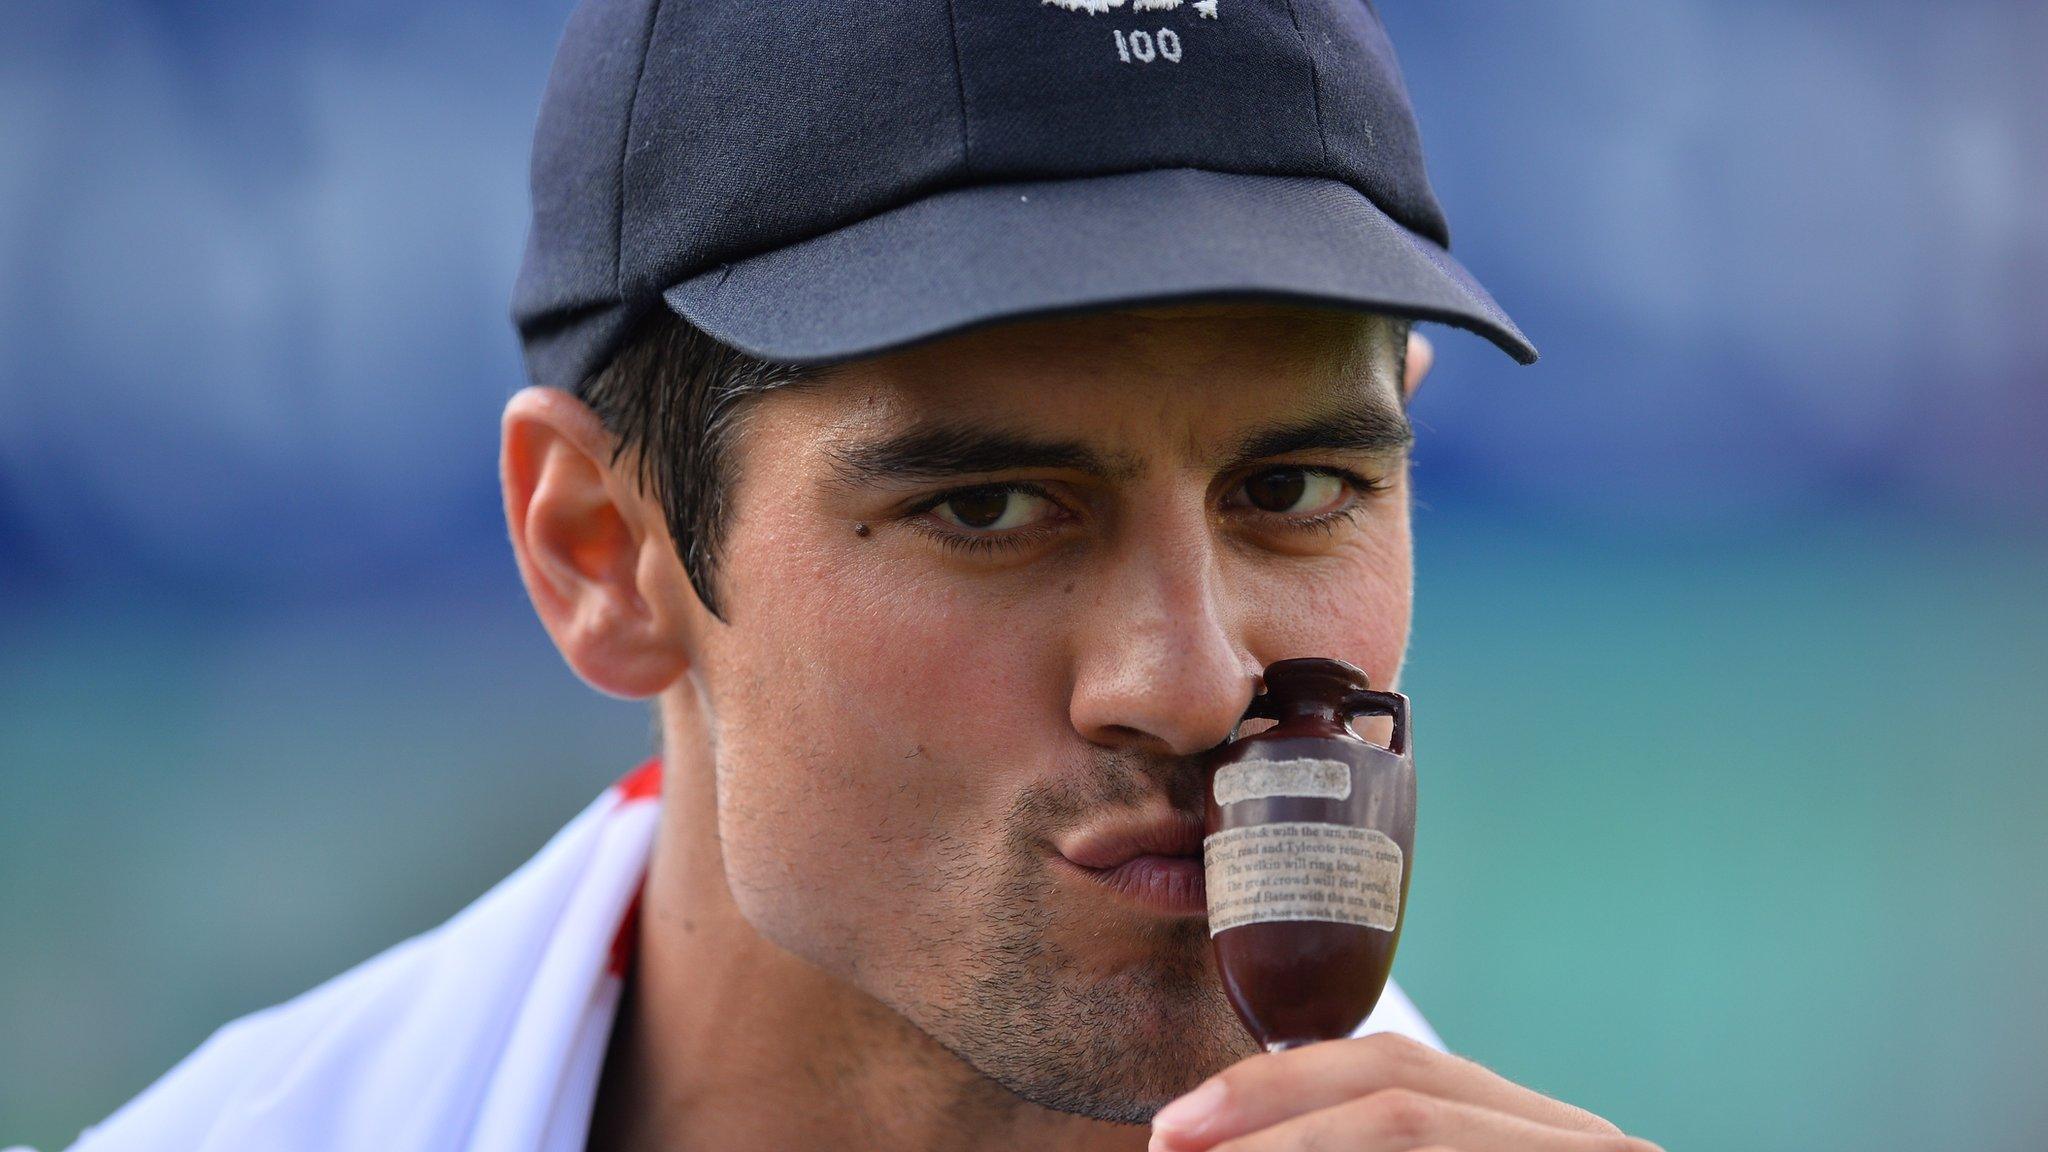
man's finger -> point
(1399, 1120)
(1264, 1090)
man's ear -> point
(586, 543)
(1421, 355)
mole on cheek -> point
(860, 529)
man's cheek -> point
(861, 882)
(842, 824)
(805, 871)
(939, 674)
(1365, 616)
(1355, 606)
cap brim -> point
(977, 255)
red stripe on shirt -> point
(642, 783)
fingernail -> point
(1188, 1115)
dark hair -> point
(674, 397)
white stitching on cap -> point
(1141, 46)
(1205, 8)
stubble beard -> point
(1073, 1033)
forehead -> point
(1135, 377)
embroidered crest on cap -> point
(1205, 8)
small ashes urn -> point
(1310, 835)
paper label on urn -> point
(1302, 871)
(1265, 779)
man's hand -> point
(1378, 1093)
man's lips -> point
(1114, 842)
(1155, 861)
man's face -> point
(912, 722)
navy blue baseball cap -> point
(812, 181)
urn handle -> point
(1365, 702)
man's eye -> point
(1282, 491)
(993, 509)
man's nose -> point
(1159, 662)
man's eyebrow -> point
(1367, 424)
(937, 451)
(942, 450)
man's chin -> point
(1069, 1001)
(1116, 1051)
(1123, 1085)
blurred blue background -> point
(1730, 639)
